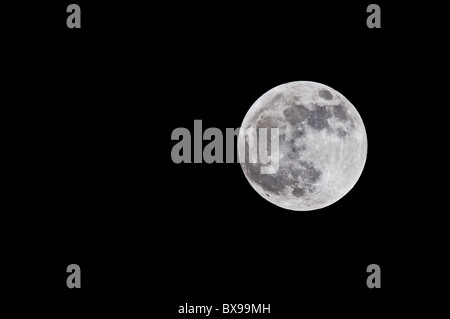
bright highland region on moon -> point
(322, 145)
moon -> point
(322, 145)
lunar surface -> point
(322, 145)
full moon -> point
(322, 145)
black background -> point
(95, 184)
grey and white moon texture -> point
(322, 145)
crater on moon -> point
(322, 145)
(325, 94)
